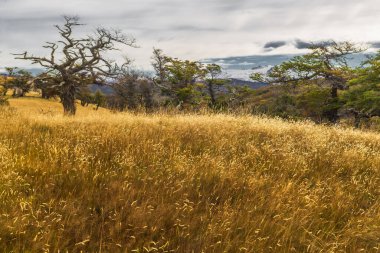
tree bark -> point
(212, 94)
(356, 117)
(147, 95)
(44, 94)
(68, 101)
(357, 121)
(332, 114)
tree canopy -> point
(325, 65)
(75, 62)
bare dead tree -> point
(132, 90)
(76, 62)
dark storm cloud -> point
(274, 44)
(300, 44)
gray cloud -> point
(375, 44)
(300, 44)
(186, 28)
(192, 29)
(274, 44)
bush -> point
(3, 101)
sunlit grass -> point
(35, 106)
(107, 182)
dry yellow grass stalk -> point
(105, 182)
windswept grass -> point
(103, 182)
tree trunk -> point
(357, 120)
(68, 100)
(212, 94)
(332, 114)
(334, 92)
(44, 94)
(131, 96)
(147, 97)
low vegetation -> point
(117, 182)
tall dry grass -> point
(103, 182)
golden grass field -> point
(119, 182)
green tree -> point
(213, 81)
(19, 80)
(178, 79)
(363, 97)
(238, 96)
(326, 65)
(312, 102)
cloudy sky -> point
(196, 29)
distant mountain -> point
(241, 67)
(250, 84)
(34, 71)
(106, 90)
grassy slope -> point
(103, 182)
(35, 106)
